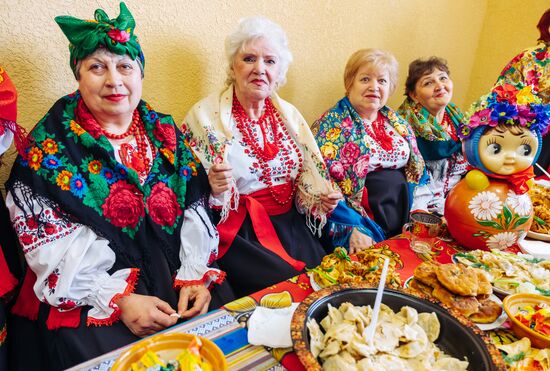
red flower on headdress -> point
(166, 134)
(120, 36)
(163, 205)
(124, 205)
(506, 93)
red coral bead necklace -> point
(270, 150)
(140, 161)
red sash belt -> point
(259, 205)
(365, 203)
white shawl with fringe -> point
(207, 127)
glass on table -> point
(424, 227)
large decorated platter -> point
(510, 273)
(458, 340)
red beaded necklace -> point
(269, 116)
(139, 161)
(270, 149)
(449, 127)
(376, 130)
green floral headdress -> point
(86, 36)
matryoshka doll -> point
(490, 207)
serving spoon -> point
(377, 301)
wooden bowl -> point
(511, 305)
(168, 346)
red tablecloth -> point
(299, 287)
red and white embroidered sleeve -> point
(71, 263)
(199, 248)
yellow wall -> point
(183, 45)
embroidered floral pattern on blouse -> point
(33, 234)
(51, 281)
(65, 304)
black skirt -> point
(66, 347)
(388, 199)
(251, 267)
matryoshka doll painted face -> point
(507, 149)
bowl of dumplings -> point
(329, 332)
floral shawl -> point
(207, 127)
(433, 141)
(346, 153)
(73, 170)
(532, 67)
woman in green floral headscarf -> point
(435, 120)
(109, 204)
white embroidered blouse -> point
(382, 159)
(246, 170)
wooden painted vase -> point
(493, 218)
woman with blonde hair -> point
(370, 153)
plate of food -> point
(529, 317)
(327, 330)
(536, 248)
(540, 197)
(172, 351)
(463, 288)
(339, 268)
(510, 273)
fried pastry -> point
(458, 279)
(484, 285)
(422, 288)
(425, 272)
(488, 312)
(467, 305)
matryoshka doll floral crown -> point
(509, 105)
(502, 139)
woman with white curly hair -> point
(267, 175)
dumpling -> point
(315, 337)
(341, 332)
(388, 362)
(334, 316)
(386, 337)
(430, 324)
(338, 362)
(331, 348)
(450, 364)
(360, 348)
(409, 314)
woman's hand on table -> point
(359, 241)
(199, 295)
(330, 201)
(219, 177)
(145, 315)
